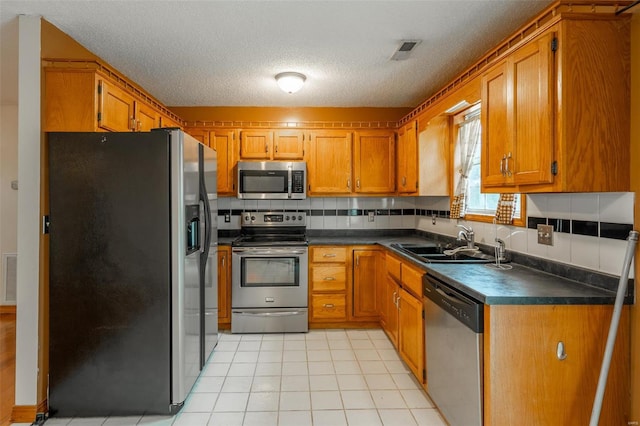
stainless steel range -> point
(269, 281)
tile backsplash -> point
(590, 228)
(330, 212)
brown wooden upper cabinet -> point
(223, 141)
(329, 162)
(87, 100)
(407, 158)
(342, 163)
(115, 108)
(517, 116)
(434, 146)
(374, 162)
(555, 111)
(288, 145)
(145, 117)
(201, 135)
(272, 145)
(119, 111)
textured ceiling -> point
(226, 52)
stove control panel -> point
(273, 219)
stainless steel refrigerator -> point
(133, 309)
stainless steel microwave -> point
(272, 180)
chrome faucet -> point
(467, 235)
(500, 250)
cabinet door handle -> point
(276, 148)
(266, 148)
(133, 123)
(398, 302)
(329, 278)
(329, 305)
(222, 260)
(404, 181)
(358, 183)
(504, 157)
(349, 183)
(507, 165)
(357, 261)
(395, 301)
(560, 353)
(329, 255)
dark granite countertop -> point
(521, 285)
(518, 286)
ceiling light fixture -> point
(290, 82)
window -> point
(479, 206)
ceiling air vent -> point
(404, 50)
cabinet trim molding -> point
(116, 78)
(551, 15)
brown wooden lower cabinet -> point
(328, 285)
(224, 287)
(526, 382)
(411, 333)
(403, 313)
(344, 284)
(329, 307)
(368, 273)
(390, 309)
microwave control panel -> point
(297, 182)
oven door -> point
(268, 277)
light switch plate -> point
(545, 235)
(371, 216)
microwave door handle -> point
(289, 182)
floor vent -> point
(10, 287)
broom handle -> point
(613, 328)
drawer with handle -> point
(329, 306)
(328, 254)
(328, 278)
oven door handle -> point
(269, 314)
(271, 251)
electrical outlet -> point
(545, 235)
(227, 218)
(433, 219)
(371, 216)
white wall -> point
(8, 140)
(29, 134)
(8, 173)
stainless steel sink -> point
(429, 253)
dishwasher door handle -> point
(453, 298)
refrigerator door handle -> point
(207, 211)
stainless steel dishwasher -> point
(453, 340)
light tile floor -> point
(324, 377)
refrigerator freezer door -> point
(110, 251)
